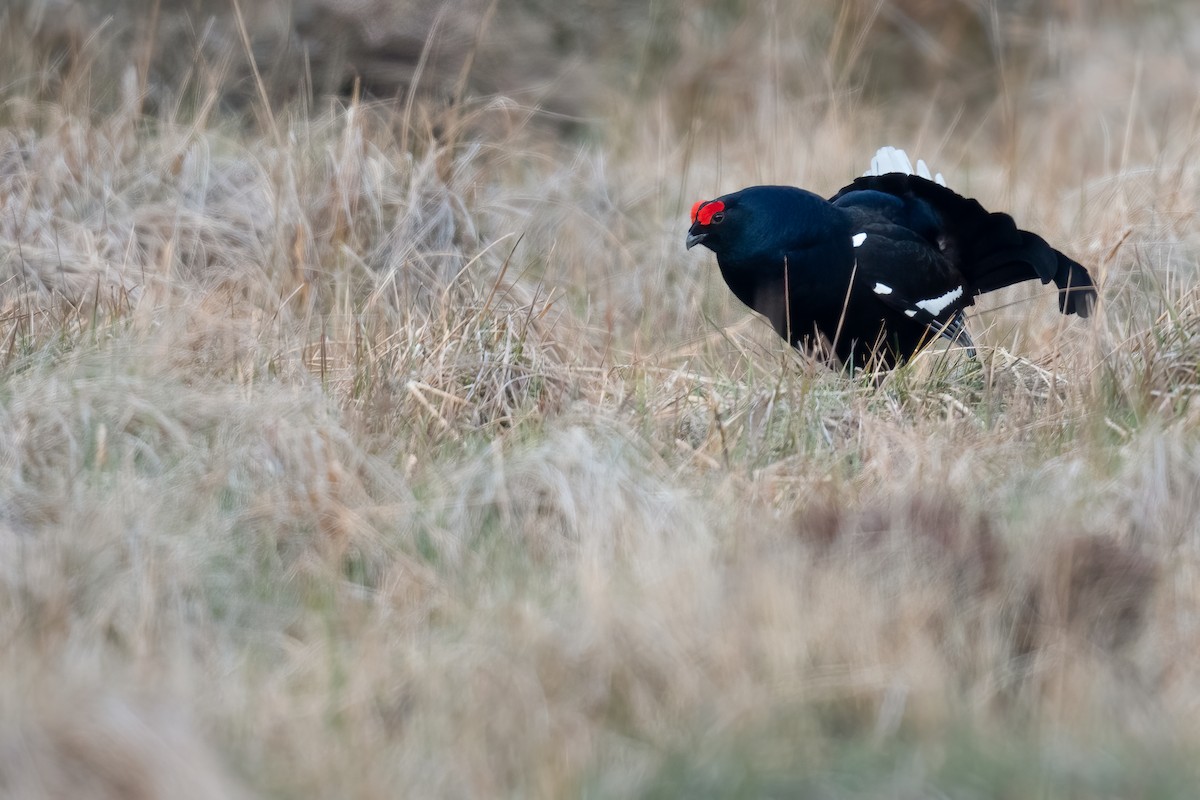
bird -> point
(875, 273)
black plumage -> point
(880, 269)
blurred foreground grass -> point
(355, 446)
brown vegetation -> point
(360, 446)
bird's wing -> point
(987, 248)
(909, 275)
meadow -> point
(357, 444)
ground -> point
(366, 445)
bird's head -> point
(707, 218)
(761, 222)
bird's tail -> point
(1002, 259)
(1076, 292)
(893, 159)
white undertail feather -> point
(892, 159)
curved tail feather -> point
(1076, 292)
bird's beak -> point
(695, 236)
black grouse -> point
(880, 269)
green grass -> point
(964, 766)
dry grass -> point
(355, 451)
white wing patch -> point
(858, 239)
(882, 288)
(936, 305)
(892, 159)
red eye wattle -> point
(705, 214)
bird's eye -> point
(717, 218)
